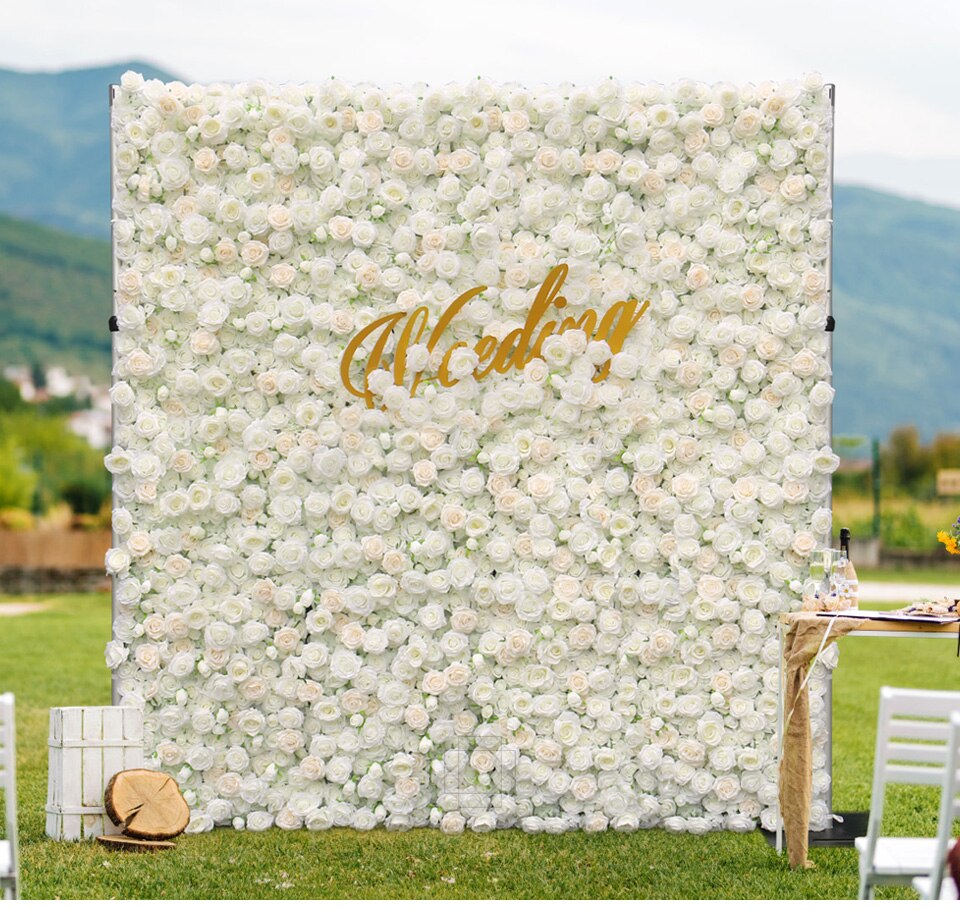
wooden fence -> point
(53, 549)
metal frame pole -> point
(111, 94)
(780, 725)
(828, 695)
(828, 699)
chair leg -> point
(866, 890)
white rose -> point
(803, 544)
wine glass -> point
(833, 560)
(818, 572)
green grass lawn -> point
(55, 658)
(948, 575)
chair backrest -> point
(8, 767)
(949, 804)
(914, 737)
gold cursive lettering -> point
(514, 351)
(386, 324)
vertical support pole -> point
(831, 92)
(111, 94)
(828, 746)
(780, 724)
(828, 695)
(875, 483)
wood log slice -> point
(133, 844)
(146, 804)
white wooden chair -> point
(913, 732)
(937, 883)
(8, 783)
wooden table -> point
(871, 628)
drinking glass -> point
(818, 572)
(833, 561)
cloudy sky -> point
(898, 114)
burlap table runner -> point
(806, 635)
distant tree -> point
(17, 482)
(62, 404)
(945, 451)
(57, 457)
(38, 375)
(84, 496)
(905, 461)
(10, 398)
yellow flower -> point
(949, 542)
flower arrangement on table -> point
(950, 538)
(827, 603)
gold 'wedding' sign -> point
(512, 352)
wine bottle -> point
(848, 585)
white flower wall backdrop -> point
(396, 544)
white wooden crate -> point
(87, 747)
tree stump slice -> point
(133, 844)
(146, 804)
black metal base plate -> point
(841, 834)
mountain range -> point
(896, 281)
(55, 146)
(55, 299)
(896, 265)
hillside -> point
(55, 299)
(896, 262)
(54, 145)
(897, 303)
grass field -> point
(934, 576)
(54, 658)
(940, 512)
(906, 522)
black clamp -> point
(831, 323)
(114, 325)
